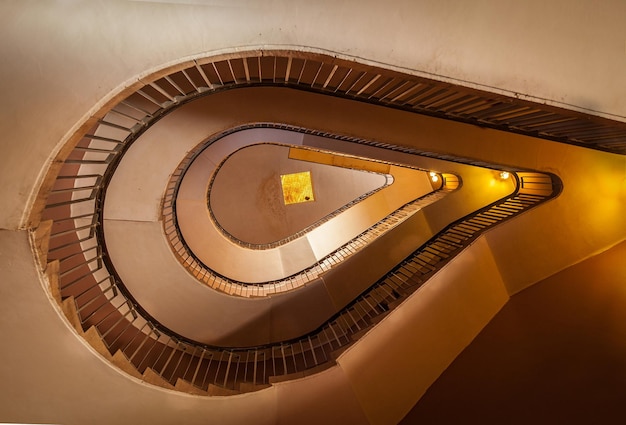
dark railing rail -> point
(170, 197)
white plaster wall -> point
(62, 59)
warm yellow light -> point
(433, 176)
(505, 175)
(297, 188)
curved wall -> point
(569, 364)
(84, 54)
(65, 60)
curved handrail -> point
(255, 367)
(225, 284)
(95, 297)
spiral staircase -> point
(175, 320)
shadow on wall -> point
(554, 354)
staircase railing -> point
(95, 302)
(92, 300)
(221, 283)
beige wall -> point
(64, 59)
(554, 354)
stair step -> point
(287, 377)
(357, 335)
(319, 368)
(215, 390)
(396, 303)
(151, 377)
(376, 319)
(42, 242)
(95, 340)
(188, 387)
(52, 274)
(68, 306)
(339, 351)
(120, 360)
(249, 387)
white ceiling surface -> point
(83, 53)
(246, 196)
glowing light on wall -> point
(505, 175)
(297, 188)
(433, 177)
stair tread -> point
(216, 390)
(187, 387)
(248, 387)
(120, 360)
(150, 376)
